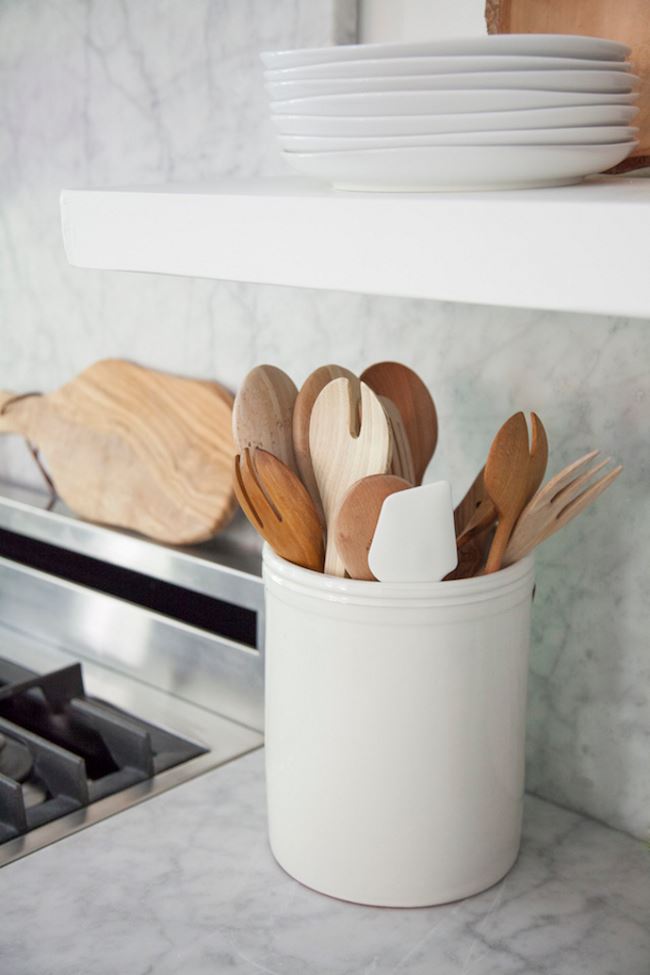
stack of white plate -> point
(504, 111)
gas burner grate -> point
(61, 750)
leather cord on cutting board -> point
(51, 490)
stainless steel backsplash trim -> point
(227, 567)
(218, 674)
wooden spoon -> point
(262, 414)
(349, 438)
(413, 400)
(484, 514)
(279, 507)
(507, 482)
(558, 502)
(303, 406)
(402, 459)
(356, 519)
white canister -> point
(395, 731)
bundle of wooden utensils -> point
(331, 477)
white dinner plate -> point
(589, 81)
(545, 45)
(587, 135)
(391, 125)
(366, 68)
(446, 168)
(446, 102)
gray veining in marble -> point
(114, 92)
(186, 882)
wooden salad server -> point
(507, 482)
(484, 514)
(279, 507)
(303, 406)
(135, 448)
(557, 503)
(349, 438)
(263, 413)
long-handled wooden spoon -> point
(356, 520)
(417, 409)
(303, 406)
(507, 482)
(279, 507)
(560, 500)
(348, 440)
(263, 411)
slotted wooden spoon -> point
(484, 513)
(303, 406)
(507, 482)
(349, 438)
(263, 412)
(558, 502)
(416, 407)
(279, 507)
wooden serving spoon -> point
(507, 482)
(484, 514)
(416, 407)
(402, 460)
(303, 406)
(356, 519)
(279, 507)
(263, 411)
(349, 438)
(558, 502)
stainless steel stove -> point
(126, 667)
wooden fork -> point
(560, 500)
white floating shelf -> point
(582, 248)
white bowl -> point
(367, 68)
(583, 81)
(587, 135)
(546, 45)
(446, 168)
(392, 125)
(445, 102)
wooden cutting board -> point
(135, 448)
(618, 20)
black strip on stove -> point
(212, 615)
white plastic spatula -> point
(415, 540)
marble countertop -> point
(186, 883)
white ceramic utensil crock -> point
(395, 726)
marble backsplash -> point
(110, 92)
